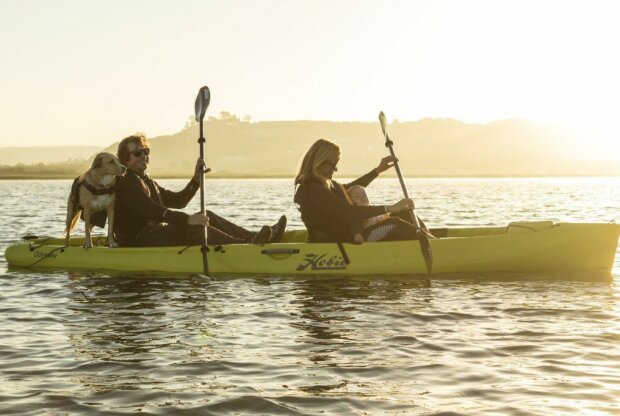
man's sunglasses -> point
(138, 153)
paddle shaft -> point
(414, 217)
(425, 244)
(202, 140)
(203, 249)
(205, 257)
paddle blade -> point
(383, 122)
(202, 102)
(427, 251)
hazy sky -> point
(91, 72)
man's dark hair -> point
(123, 147)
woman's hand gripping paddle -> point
(425, 244)
(202, 102)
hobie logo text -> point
(322, 262)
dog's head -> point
(107, 164)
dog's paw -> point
(87, 244)
(112, 244)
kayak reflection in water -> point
(327, 210)
(143, 217)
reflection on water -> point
(93, 343)
(123, 316)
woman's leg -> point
(392, 229)
(406, 216)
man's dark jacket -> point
(140, 202)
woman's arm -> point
(385, 163)
(363, 180)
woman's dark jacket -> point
(328, 216)
(140, 201)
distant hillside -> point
(429, 147)
(34, 155)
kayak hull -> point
(528, 247)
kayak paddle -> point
(202, 102)
(425, 244)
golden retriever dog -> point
(91, 193)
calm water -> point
(100, 344)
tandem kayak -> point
(529, 247)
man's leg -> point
(182, 235)
(222, 224)
(228, 227)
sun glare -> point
(479, 61)
(550, 62)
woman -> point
(326, 210)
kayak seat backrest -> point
(528, 226)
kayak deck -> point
(519, 247)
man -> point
(143, 217)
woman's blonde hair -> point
(320, 152)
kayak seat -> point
(295, 236)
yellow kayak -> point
(529, 247)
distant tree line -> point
(225, 117)
(60, 170)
